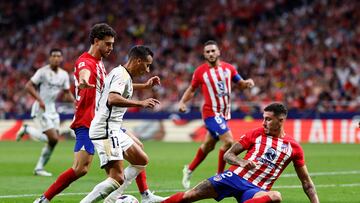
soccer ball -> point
(127, 199)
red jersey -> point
(87, 99)
(271, 156)
(215, 84)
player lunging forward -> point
(249, 179)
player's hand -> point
(249, 83)
(155, 80)
(247, 164)
(182, 107)
(85, 84)
(42, 105)
(149, 103)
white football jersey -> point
(109, 118)
(50, 84)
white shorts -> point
(113, 147)
(47, 122)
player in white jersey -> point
(51, 80)
(111, 143)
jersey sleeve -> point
(247, 140)
(83, 64)
(195, 82)
(38, 77)
(298, 155)
(235, 76)
(119, 81)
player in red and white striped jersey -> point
(249, 179)
(214, 78)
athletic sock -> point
(141, 182)
(262, 199)
(199, 157)
(176, 198)
(62, 182)
(36, 134)
(44, 156)
(221, 162)
(101, 190)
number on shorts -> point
(218, 119)
(227, 174)
(115, 142)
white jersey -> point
(50, 84)
(108, 119)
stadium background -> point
(304, 53)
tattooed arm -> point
(231, 157)
(307, 184)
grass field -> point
(335, 170)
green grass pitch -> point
(335, 168)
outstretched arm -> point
(115, 99)
(307, 184)
(244, 84)
(188, 95)
(149, 84)
(30, 88)
(231, 157)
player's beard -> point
(213, 61)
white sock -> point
(101, 190)
(130, 173)
(44, 157)
(36, 134)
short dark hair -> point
(100, 31)
(140, 51)
(55, 50)
(277, 108)
(210, 42)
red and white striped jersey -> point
(87, 99)
(215, 84)
(271, 155)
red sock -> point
(176, 198)
(262, 199)
(221, 163)
(141, 182)
(199, 157)
(62, 182)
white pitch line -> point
(176, 190)
(323, 173)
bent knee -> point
(119, 178)
(81, 170)
(275, 196)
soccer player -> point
(214, 77)
(249, 179)
(111, 143)
(89, 82)
(51, 80)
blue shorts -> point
(228, 184)
(83, 141)
(216, 126)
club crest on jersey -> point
(285, 148)
(270, 154)
(217, 178)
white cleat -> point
(21, 132)
(186, 177)
(150, 197)
(42, 199)
(42, 172)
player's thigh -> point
(209, 142)
(274, 195)
(227, 139)
(204, 190)
(136, 155)
(108, 149)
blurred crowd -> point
(303, 53)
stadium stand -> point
(304, 53)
